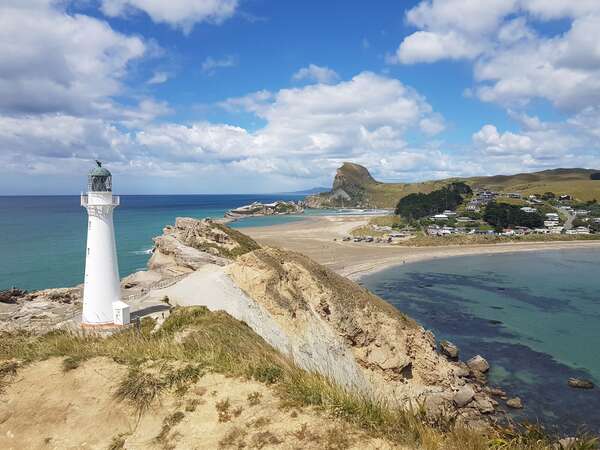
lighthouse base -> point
(102, 326)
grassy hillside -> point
(575, 182)
(146, 375)
(365, 191)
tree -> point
(416, 206)
(504, 215)
(548, 196)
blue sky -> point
(223, 96)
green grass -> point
(575, 182)
(422, 240)
(216, 342)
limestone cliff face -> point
(396, 356)
(192, 243)
(323, 321)
(350, 189)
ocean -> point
(534, 316)
(42, 239)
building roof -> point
(99, 171)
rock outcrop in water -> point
(265, 209)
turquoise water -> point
(42, 239)
(535, 316)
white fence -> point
(161, 284)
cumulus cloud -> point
(540, 144)
(181, 14)
(210, 65)
(51, 61)
(158, 78)
(316, 73)
(513, 62)
(308, 131)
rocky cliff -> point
(354, 187)
(265, 209)
(350, 189)
(191, 244)
(395, 357)
(324, 322)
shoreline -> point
(319, 237)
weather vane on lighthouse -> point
(102, 306)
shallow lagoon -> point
(535, 316)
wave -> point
(147, 251)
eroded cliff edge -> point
(323, 321)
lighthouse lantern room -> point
(102, 291)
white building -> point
(552, 216)
(529, 209)
(102, 289)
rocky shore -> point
(266, 209)
(324, 322)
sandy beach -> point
(315, 236)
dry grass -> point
(234, 439)
(222, 344)
(71, 363)
(254, 398)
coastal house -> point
(556, 230)
(465, 220)
(582, 212)
(565, 197)
(529, 209)
(440, 217)
(552, 216)
(541, 231)
(551, 223)
(513, 195)
(449, 213)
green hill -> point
(354, 187)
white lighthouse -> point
(102, 291)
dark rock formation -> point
(12, 296)
(265, 209)
(580, 383)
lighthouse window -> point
(88, 250)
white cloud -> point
(316, 73)
(182, 14)
(211, 65)
(426, 46)
(513, 63)
(540, 144)
(51, 61)
(158, 78)
(308, 132)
